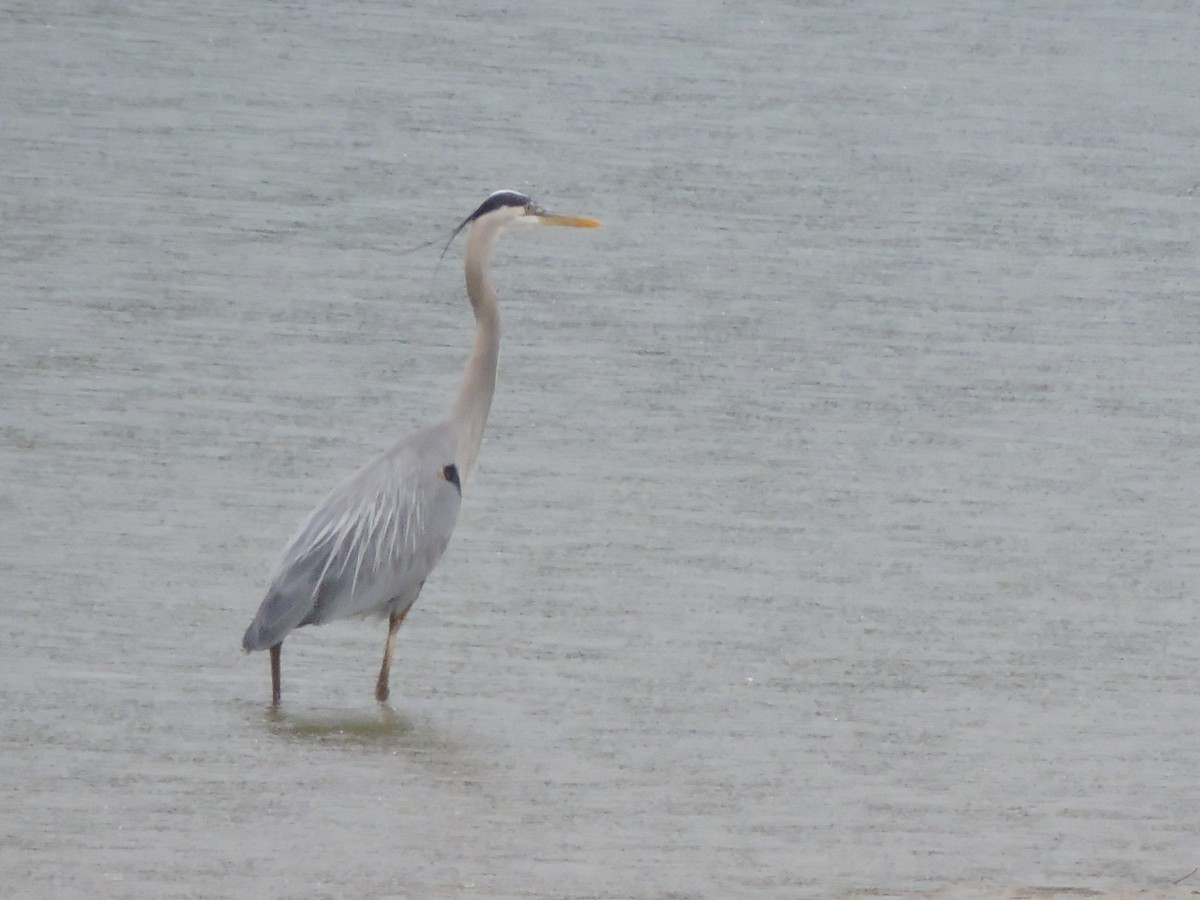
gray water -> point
(835, 528)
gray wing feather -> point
(370, 544)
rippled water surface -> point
(835, 528)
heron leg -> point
(381, 686)
(276, 692)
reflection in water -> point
(381, 726)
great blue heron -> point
(369, 546)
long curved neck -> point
(470, 411)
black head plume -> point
(499, 199)
(495, 201)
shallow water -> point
(835, 527)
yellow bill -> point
(545, 218)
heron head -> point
(512, 209)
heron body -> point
(369, 546)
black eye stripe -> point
(499, 199)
